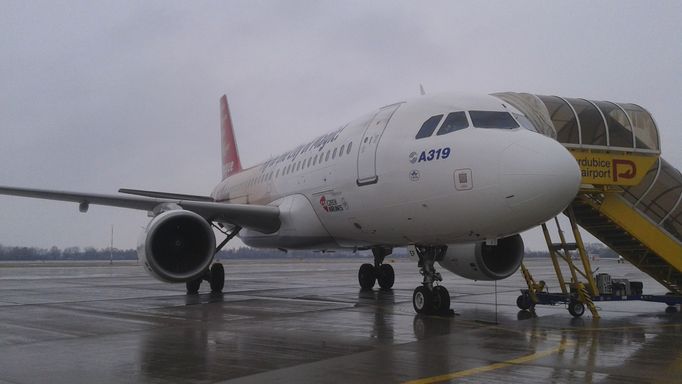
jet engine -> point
(177, 246)
(478, 261)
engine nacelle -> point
(177, 246)
(478, 261)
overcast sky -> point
(95, 96)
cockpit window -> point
(491, 119)
(523, 120)
(428, 127)
(454, 122)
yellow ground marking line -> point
(473, 371)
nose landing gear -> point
(429, 298)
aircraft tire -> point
(367, 276)
(193, 286)
(386, 276)
(440, 299)
(422, 300)
(217, 278)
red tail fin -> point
(231, 162)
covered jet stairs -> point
(631, 198)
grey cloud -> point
(98, 96)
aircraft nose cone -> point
(539, 178)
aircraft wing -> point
(262, 218)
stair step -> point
(624, 243)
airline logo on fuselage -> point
(333, 203)
(316, 145)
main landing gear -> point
(216, 274)
(215, 277)
(429, 298)
(379, 272)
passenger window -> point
(349, 146)
(326, 158)
(454, 122)
(315, 160)
(341, 150)
(428, 127)
(334, 154)
(492, 119)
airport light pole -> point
(111, 247)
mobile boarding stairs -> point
(630, 199)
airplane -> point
(454, 178)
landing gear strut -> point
(379, 272)
(429, 298)
(216, 274)
(215, 277)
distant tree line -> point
(596, 250)
(90, 253)
(257, 253)
(70, 253)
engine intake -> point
(478, 261)
(177, 246)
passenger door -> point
(367, 173)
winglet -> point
(231, 162)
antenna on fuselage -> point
(421, 89)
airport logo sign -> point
(610, 169)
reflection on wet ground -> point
(308, 322)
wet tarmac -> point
(308, 322)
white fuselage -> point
(372, 182)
